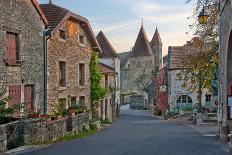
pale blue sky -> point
(120, 20)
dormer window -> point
(81, 40)
(62, 34)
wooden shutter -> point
(15, 95)
(28, 97)
(11, 48)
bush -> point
(106, 121)
(5, 112)
(157, 112)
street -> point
(138, 133)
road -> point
(138, 133)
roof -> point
(124, 58)
(36, 5)
(106, 47)
(142, 46)
(57, 15)
(156, 40)
(105, 69)
(177, 54)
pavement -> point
(139, 133)
(206, 129)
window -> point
(184, 99)
(73, 101)
(62, 74)
(15, 97)
(28, 97)
(106, 81)
(62, 104)
(82, 74)
(12, 54)
(62, 34)
(208, 97)
(82, 100)
(82, 39)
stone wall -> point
(40, 130)
(21, 17)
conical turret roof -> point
(156, 40)
(107, 49)
(142, 46)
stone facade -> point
(73, 54)
(24, 20)
(69, 53)
(225, 72)
(180, 98)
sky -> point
(120, 20)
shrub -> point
(106, 121)
(157, 112)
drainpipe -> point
(46, 36)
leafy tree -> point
(200, 70)
(97, 91)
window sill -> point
(13, 63)
(82, 45)
(62, 88)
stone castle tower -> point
(156, 46)
(137, 84)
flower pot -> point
(34, 115)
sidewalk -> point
(206, 129)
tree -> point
(97, 91)
(200, 70)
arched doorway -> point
(229, 66)
(184, 102)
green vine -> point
(97, 91)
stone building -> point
(110, 58)
(180, 98)
(69, 52)
(21, 53)
(225, 68)
(137, 81)
(105, 108)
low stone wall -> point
(31, 131)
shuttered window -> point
(12, 54)
(28, 97)
(15, 97)
(62, 74)
(106, 81)
(82, 74)
(82, 100)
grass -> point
(71, 137)
(68, 137)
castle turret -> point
(156, 46)
(142, 47)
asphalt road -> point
(137, 133)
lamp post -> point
(46, 36)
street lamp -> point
(203, 16)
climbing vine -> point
(97, 91)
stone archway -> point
(229, 66)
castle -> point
(138, 69)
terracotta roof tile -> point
(156, 40)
